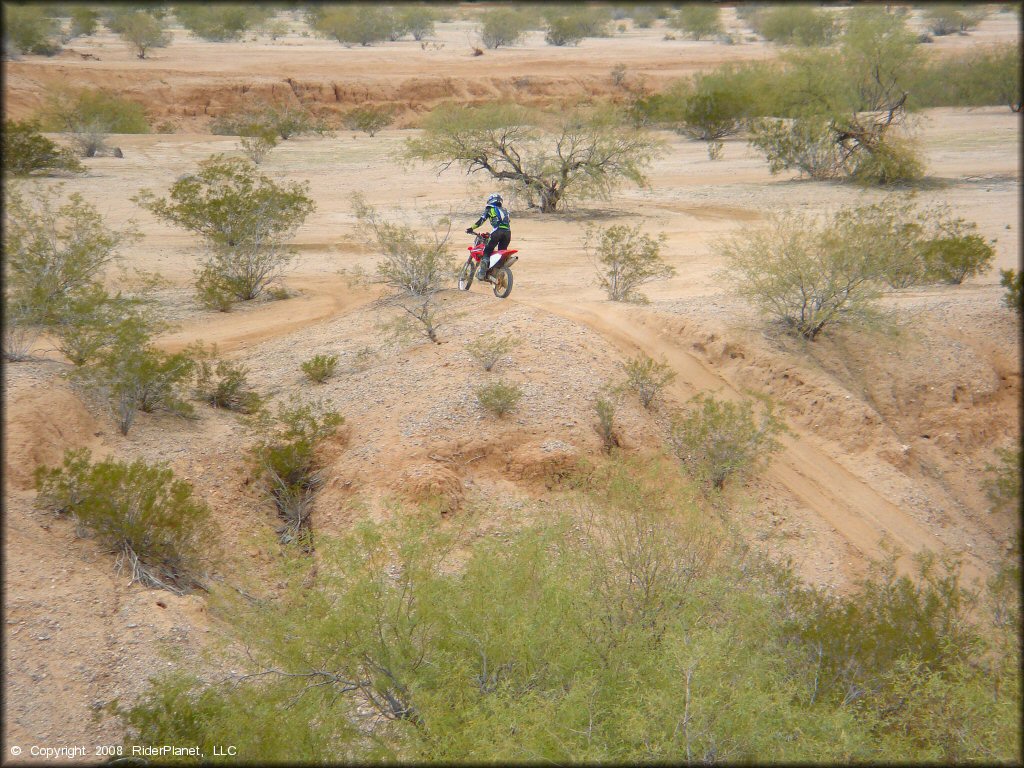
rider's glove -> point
(470, 231)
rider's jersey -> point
(497, 216)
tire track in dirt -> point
(858, 513)
(322, 299)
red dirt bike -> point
(498, 274)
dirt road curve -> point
(846, 502)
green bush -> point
(143, 31)
(886, 162)
(320, 368)
(643, 16)
(489, 348)
(84, 20)
(256, 148)
(1013, 282)
(568, 25)
(796, 25)
(131, 375)
(1002, 487)
(369, 119)
(503, 26)
(717, 439)
(499, 397)
(635, 630)
(957, 253)
(351, 24)
(807, 145)
(605, 410)
(698, 20)
(627, 259)
(27, 152)
(417, 20)
(88, 321)
(646, 377)
(284, 460)
(71, 110)
(30, 28)
(245, 218)
(140, 512)
(797, 273)
(55, 254)
(220, 21)
(223, 383)
(946, 19)
(266, 120)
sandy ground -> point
(889, 433)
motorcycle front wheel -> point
(466, 275)
(502, 277)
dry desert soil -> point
(889, 432)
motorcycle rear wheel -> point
(502, 277)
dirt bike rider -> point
(501, 231)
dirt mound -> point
(39, 426)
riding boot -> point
(481, 273)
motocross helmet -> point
(494, 199)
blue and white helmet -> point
(494, 199)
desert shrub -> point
(489, 348)
(84, 20)
(256, 148)
(698, 20)
(796, 273)
(1013, 282)
(946, 18)
(281, 119)
(244, 217)
(20, 330)
(643, 16)
(568, 25)
(1002, 486)
(647, 377)
(499, 397)
(87, 322)
(717, 439)
(53, 254)
(143, 31)
(30, 28)
(413, 265)
(131, 375)
(351, 24)
(530, 150)
(320, 368)
(220, 21)
(627, 259)
(223, 383)
(807, 145)
(89, 115)
(856, 641)
(503, 26)
(138, 511)
(890, 161)
(889, 236)
(369, 119)
(604, 407)
(417, 20)
(629, 585)
(834, 110)
(957, 252)
(284, 460)
(66, 109)
(797, 25)
(27, 152)
(982, 77)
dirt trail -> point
(320, 299)
(859, 514)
